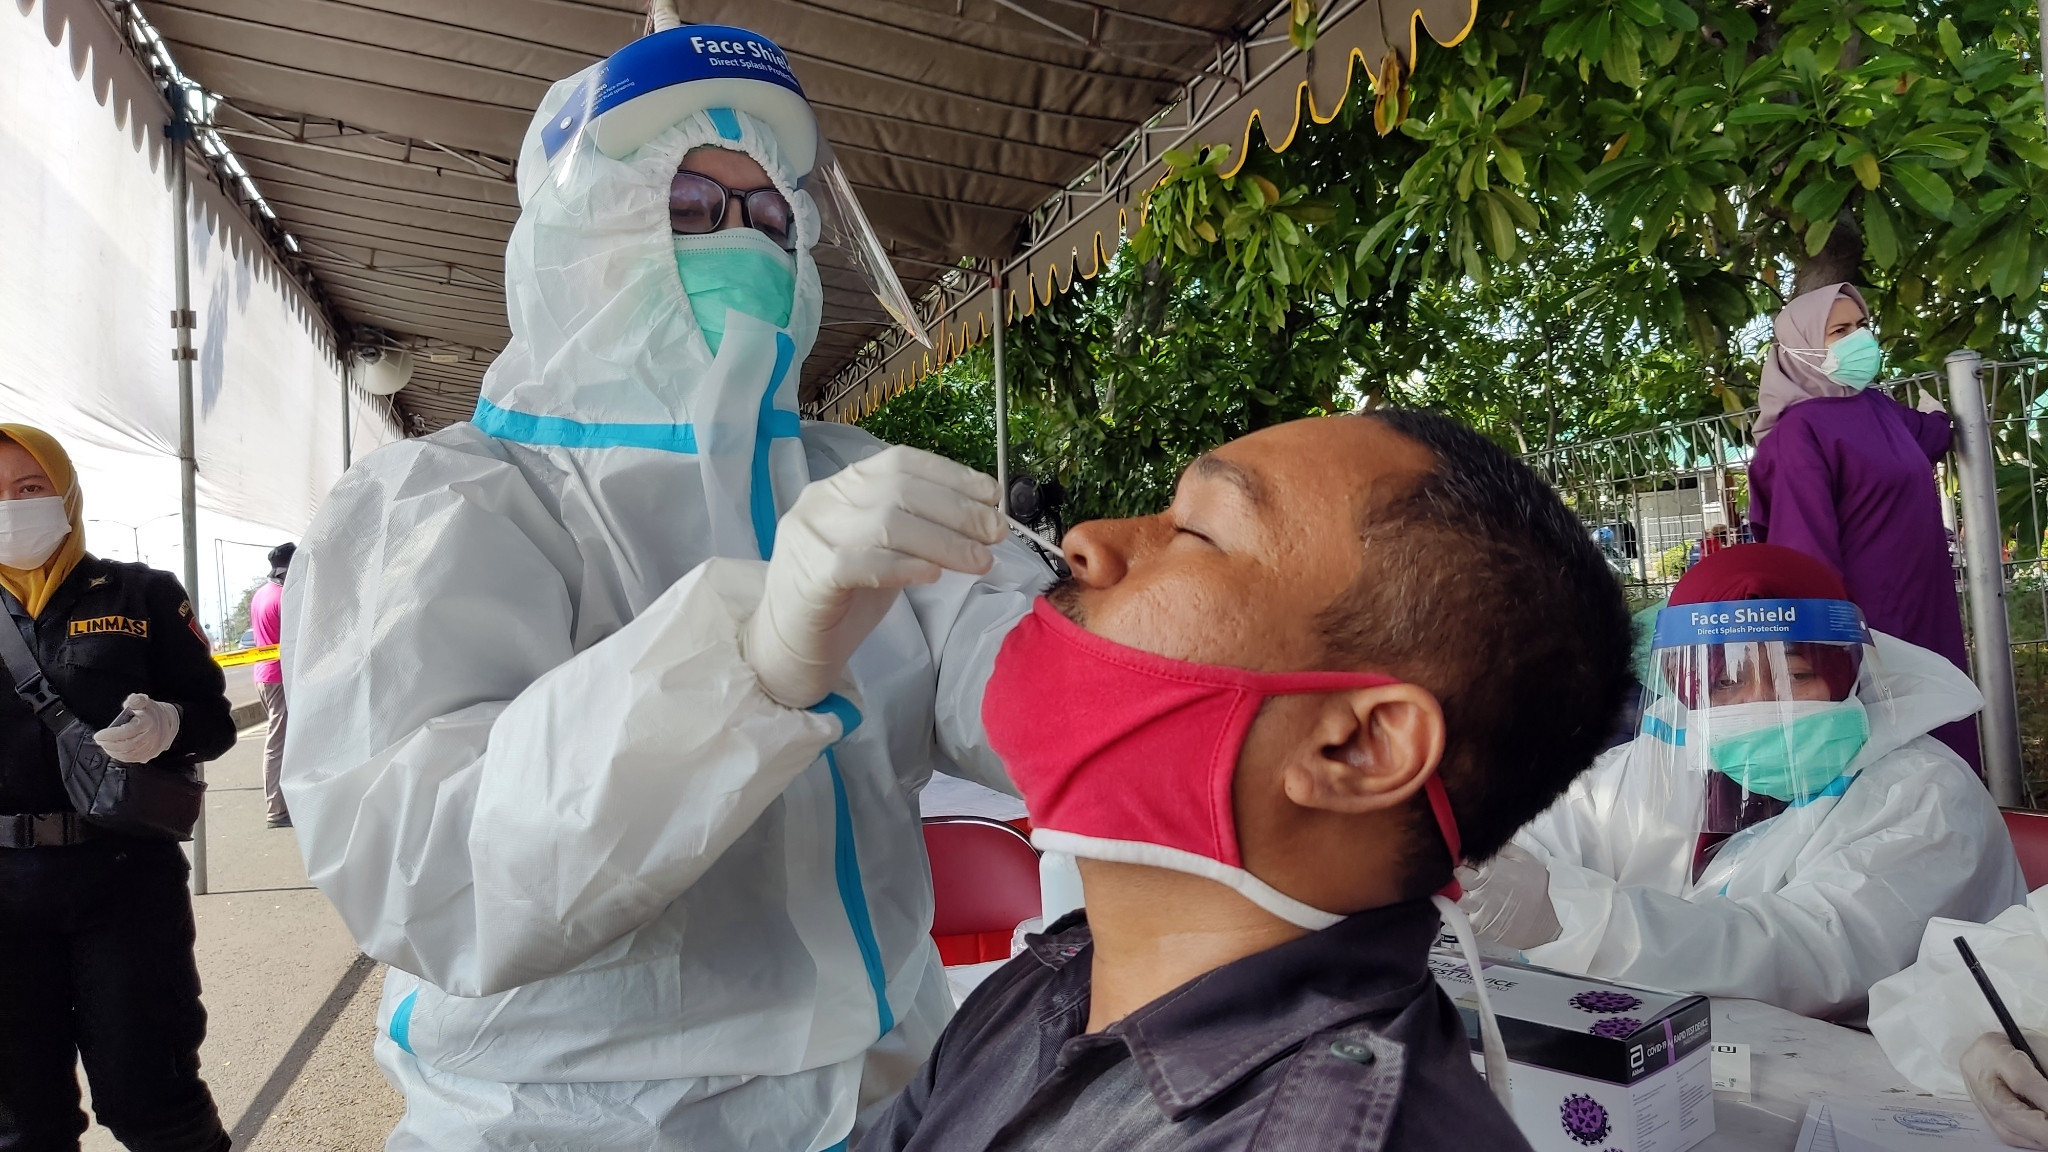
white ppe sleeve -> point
(1926, 1017)
(1918, 841)
(965, 619)
(484, 804)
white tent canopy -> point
(86, 293)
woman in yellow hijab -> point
(42, 516)
(96, 923)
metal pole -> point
(2041, 49)
(1983, 544)
(1642, 542)
(995, 297)
(347, 447)
(180, 131)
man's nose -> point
(1099, 551)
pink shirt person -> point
(263, 618)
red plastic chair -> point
(2030, 839)
(984, 884)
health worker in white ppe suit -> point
(1783, 828)
(611, 707)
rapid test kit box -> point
(1593, 1064)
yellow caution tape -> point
(245, 656)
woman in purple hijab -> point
(1845, 473)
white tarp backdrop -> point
(86, 292)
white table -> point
(1791, 1059)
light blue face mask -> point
(1792, 751)
(737, 270)
(1854, 360)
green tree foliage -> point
(1580, 228)
(952, 414)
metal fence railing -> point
(2018, 397)
(1656, 501)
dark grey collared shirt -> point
(1338, 1040)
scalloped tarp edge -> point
(1051, 274)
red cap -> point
(1759, 572)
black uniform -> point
(96, 937)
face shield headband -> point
(1716, 636)
(1127, 756)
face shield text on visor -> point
(1759, 705)
(662, 79)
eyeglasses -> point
(697, 205)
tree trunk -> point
(1838, 262)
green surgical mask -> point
(1788, 751)
(737, 270)
(1854, 360)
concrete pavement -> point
(291, 1004)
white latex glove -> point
(1507, 899)
(2008, 1090)
(1929, 402)
(142, 737)
(850, 543)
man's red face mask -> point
(1127, 756)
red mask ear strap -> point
(1447, 824)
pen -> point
(2005, 1020)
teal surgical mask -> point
(737, 270)
(1854, 360)
(1789, 751)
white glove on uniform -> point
(2009, 1091)
(142, 737)
(1508, 899)
(851, 541)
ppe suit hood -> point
(607, 361)
(1926, 692)
(601, 330)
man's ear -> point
(1369, 750)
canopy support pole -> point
(347, 437)
(1983, 540)
(995, 294)
(180, 131)
(2044, 48)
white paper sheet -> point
(1731, 1068)
(1862, 1124)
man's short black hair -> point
(1481, 586)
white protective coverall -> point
(628, 900)
(1927, 1016)
(1805, 910)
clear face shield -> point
(1758, 706)
(848, 252)
(661, 79)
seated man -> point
(1264, 720)
(1784, 826)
